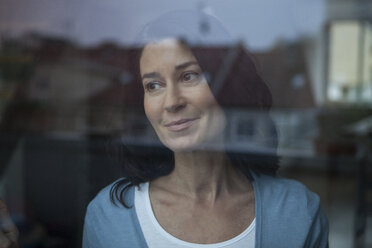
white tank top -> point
(157, 237)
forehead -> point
(164, 54)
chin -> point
(189, 146)
(183, 146)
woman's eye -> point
(189, 76)
(152, 86)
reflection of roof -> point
(124, 88)
(119, 93)
(51, 49)
(282, 68)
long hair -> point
(234, 81)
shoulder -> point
(286, 192)
(102, 201)
(107, 224)
(290, 205)
(101, 210)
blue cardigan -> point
(287, 215)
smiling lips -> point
(180, 125)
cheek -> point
(208, 103)
(151, 110)
(205, 99)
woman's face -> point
(178, 101)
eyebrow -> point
(150, 75)
(177, 67)
(185, 65)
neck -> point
(203, 176)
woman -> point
(203, 195)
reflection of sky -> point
(259, 23)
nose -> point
(174, 101)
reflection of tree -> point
(16, 68)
